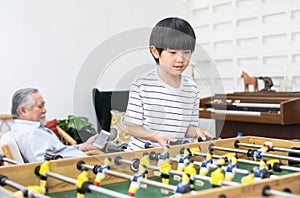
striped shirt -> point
(160, 108)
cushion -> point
(7, 142)
(51, 124)
(119, 134)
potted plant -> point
(77, 127)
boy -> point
(164, 104)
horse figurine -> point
(249, 81)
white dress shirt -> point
(33, 140)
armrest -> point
(64, 137)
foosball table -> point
(245, 166)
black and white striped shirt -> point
(160, 108)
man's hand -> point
(88, 145)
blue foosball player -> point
(135, 184)
(184, 185)
(261, 171)
(100, 172)
(257, 155)
(230, 170)
(184, 160)
(204, 164)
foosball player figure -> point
(248, 179)
(38, 189)
(44, 167)
(217, 176)
(204, 169)
(274, 164)
(195, 149)
(261, 171)
(164, 168)
(100, 171)
(161, 157)
(257, 155)
(225, 159)
(190, 170)
(165, 154)
(230, 170)
(135, 183)
(145, 161)
(184, 185)
(269, 146)
(29, 190)
(182, 162)
(82, 178)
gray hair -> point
(22, 97)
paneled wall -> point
(261, 37)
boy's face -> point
(172, 61)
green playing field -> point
(151, 192)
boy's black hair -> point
(172, 33)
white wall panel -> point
(261, 37)
(295, 41)
(274, 42)
(222, 11)
(274, 5)
(247, 7)
(275, 22)
(243, 26)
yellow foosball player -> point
(225, 159)
(29, 191)
(249, 179)
(164, 168)
(43, 169)
(145, 160)
(81, 179)
(274, 164)
(190, 170)
(217, 177)
(161, 158)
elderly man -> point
(33, 139)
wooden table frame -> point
(24, 174)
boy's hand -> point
(163, 139)
(203, 134)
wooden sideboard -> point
(266, 114)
